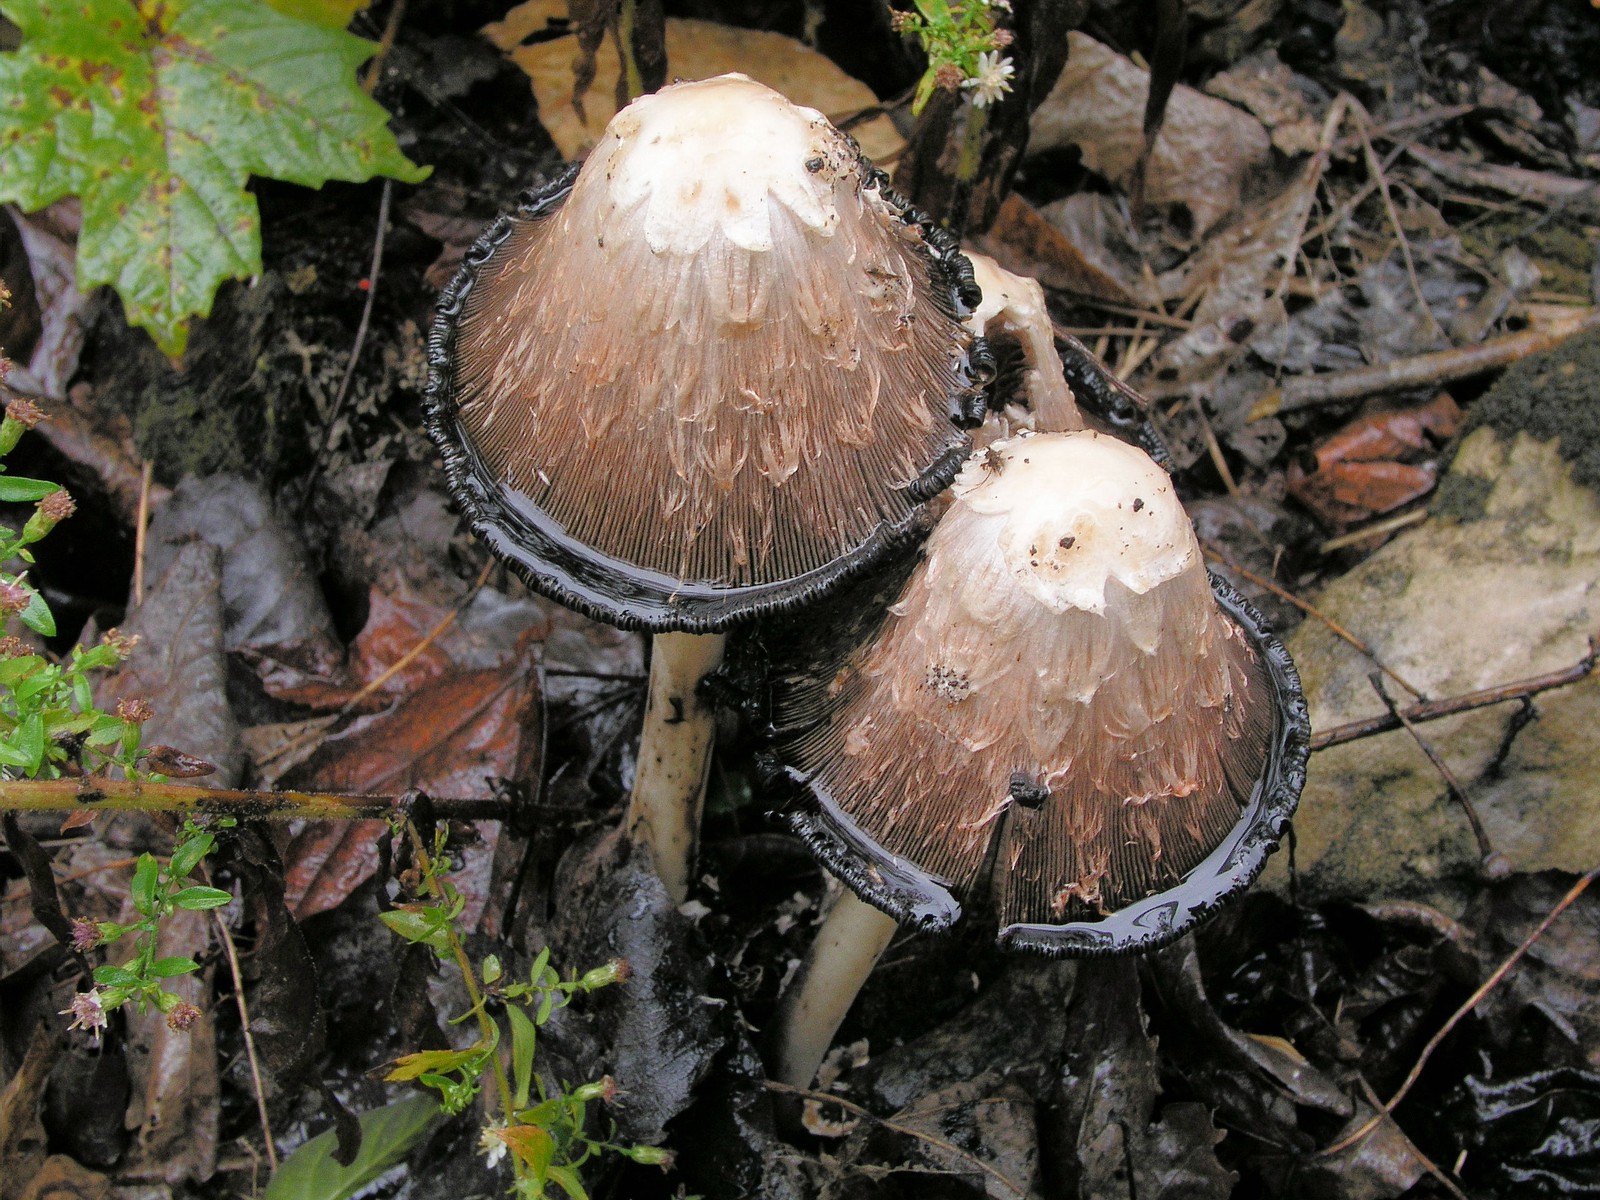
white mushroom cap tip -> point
(1079, 510)
(716, 155)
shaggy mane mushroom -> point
(708, 375)
(1061, 698)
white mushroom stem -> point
(850, 942)
(669, 785)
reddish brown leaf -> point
(449, 736)
(1021, 240)
(1376, 463)
(1401, 434)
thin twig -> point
(1149, 316)
(896, 1127)
(1215, 554)
(1390, 131)
(428, 639)
(1214, 449)
(1432, 710)
(1376, 529)
(249, 1040)
(141, 525)
(369, 81)
(1312, 177)
(1428, 1164)
(1375, 169)
(1456, 1017)
(1486, 850)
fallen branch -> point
(1441, 366)
(1541, 187)
(125, 795)
(1432, 710)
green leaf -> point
(387, 1135)
(16, 490)
(524, 1039)
(569, 1182)
(428, 926)
(187, 856)
(335, 14)
(37, 616)
(28, 741)
(14, 670)
(144, 884)
(115, 976)
(196, 899)
(156, 116)
(414, 1066)
(534, 1148)
(166, 968)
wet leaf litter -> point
(1230, 1063)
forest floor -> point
(1367, 250)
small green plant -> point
(543, 1130)
(963, 48)
(49, 725)
(156, 113)
(158, 892)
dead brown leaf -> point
(1206, 150)
(695, 50)
(1023, 241)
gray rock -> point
(1499, 585)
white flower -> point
(1002, 5)
(87, 1013)
(993, 79)
(492, 1144)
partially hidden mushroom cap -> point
(710, 373)
(1062, 697)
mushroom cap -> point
(1061, 697)
(709, 374)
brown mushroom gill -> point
(744, 414)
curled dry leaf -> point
(178, 667)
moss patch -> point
(1551, 395)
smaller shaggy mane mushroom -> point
(1057, 681)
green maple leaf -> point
(156, 113)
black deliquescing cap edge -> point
(914, 897)
(889, 883)
(1233, 866)
(617, 593)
